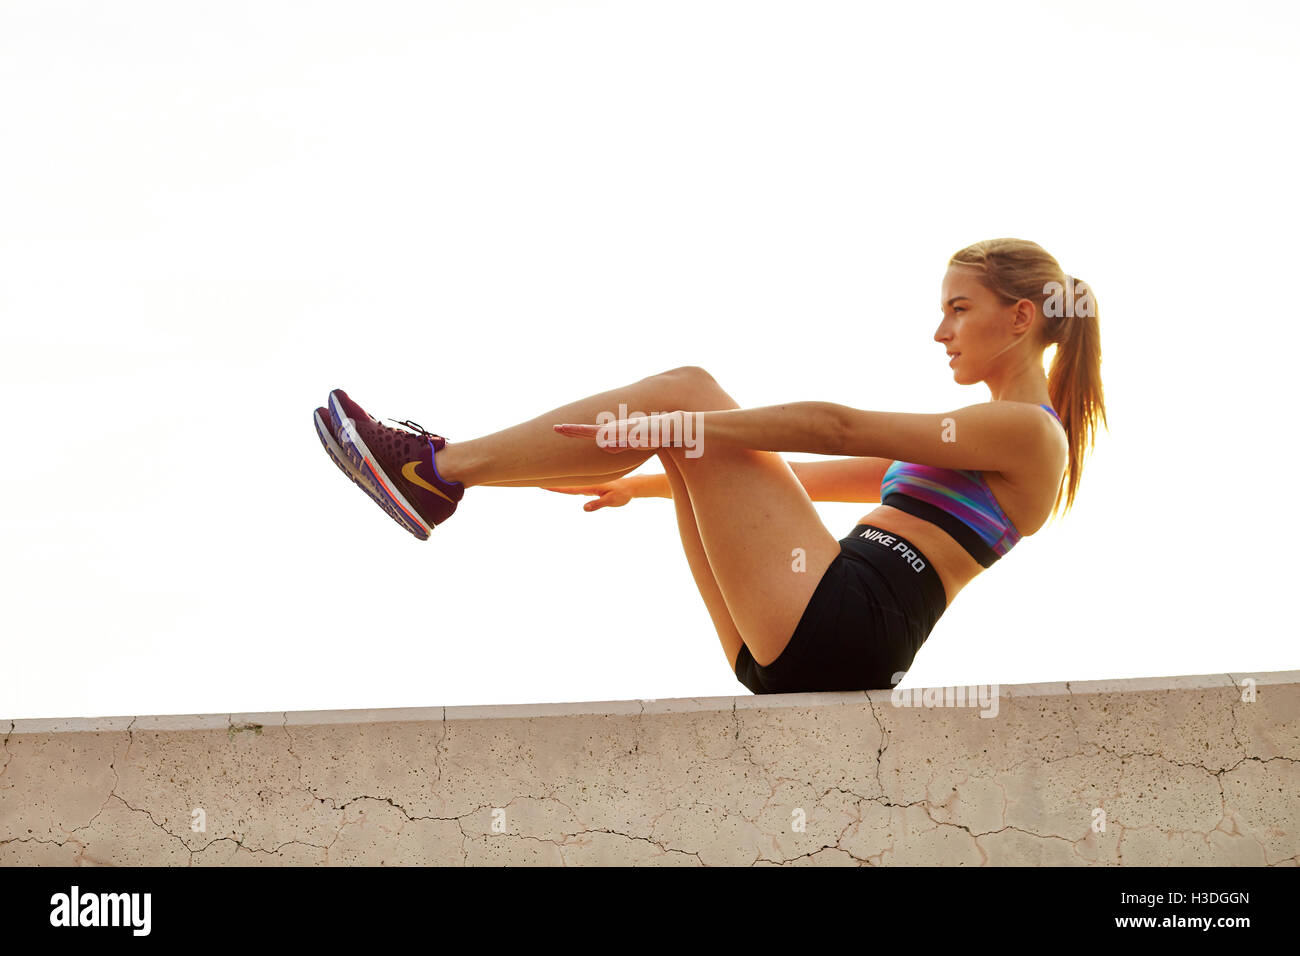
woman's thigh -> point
(765, 542)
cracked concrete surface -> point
(1180, 770)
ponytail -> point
(1074, 381)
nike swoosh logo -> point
(408, 472)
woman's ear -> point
(1023, 319)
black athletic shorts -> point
(871, 612)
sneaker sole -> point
(381, 486)
(340, 458)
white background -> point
(469, 213)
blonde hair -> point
(1016, 269)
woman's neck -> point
(1026, 385)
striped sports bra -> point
(960, 502)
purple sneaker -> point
(330, 441)
(397, 467)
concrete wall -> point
(1184, 770)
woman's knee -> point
(694, 374)
(692, 388)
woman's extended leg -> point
(419, 477)
(763, 541)
(533, 450)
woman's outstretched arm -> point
(990, 436)
(814, 427)
(843, 479)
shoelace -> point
(417, 428)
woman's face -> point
(976, 328)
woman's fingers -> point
(619, 430)
(604, 499)
(589, 431)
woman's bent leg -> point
(765, 542)
(723, 623)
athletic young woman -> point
(796, 609)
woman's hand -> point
(646, 431)
(612, 494)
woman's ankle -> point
(452, 463)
